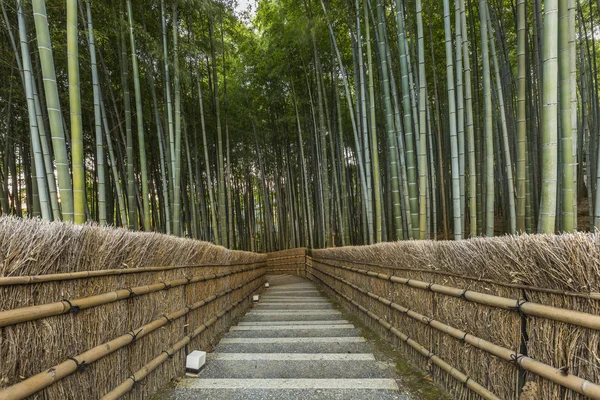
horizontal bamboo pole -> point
(453, 372)
(546, 371)
(139, 375)
(26, 280)
(578, 318)
(288, 263)
(590, 295)
(25, 314)
(52, 375)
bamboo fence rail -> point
(28, 280)
(585, 320)
(590, 295)
(24, 314)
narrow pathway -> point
(293, 344)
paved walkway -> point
(293, 344)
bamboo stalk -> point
(545, 371)
(577, 318)
(52, 375)
(24, 314)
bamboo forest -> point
(302, 123)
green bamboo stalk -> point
(373, 131)
(574, 110)
(507, 157)
(38, 166)
(121, 201)
(304, 172)
(566, 127)
(161, 152)
(470, 122)
(53, 105)
(365, 126)
(411, 168)
(131, 189)
(220, 156)
(389, 123)
(521, 116)
(140, 124)
(422, 122)
(209, 183)
(460, 100)
(488, 122)
(97, 119)
(177, 144)
(549, 119)
(170, 125)
(75, 114)
(453, 124)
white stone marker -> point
(195, 360)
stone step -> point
(285, 394)
(289, 369)
(338, 321)
(290, 357)
(289, 327)
(373, 384)
(306, 332)
(297, 347)
(289, 317)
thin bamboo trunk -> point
(549, 119)
(453, 124)
(53, 106)
(75, 114)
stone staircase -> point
(293, 344)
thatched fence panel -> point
(169, 286)
(527, 307)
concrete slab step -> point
(310, 369)
(290, 327)
(294, 333)
(292, 306)
(294, 312)
(373, 384)
(285, 394)
(288, 317)
(291, 357)
(335, 321)
(332, 347)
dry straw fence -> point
(502, 318)
(87, 312)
